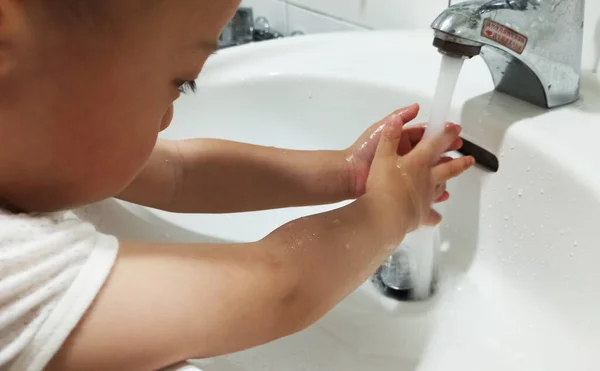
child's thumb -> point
(390, 137)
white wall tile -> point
(396, 14)
(310, 22)
(273, 10)
(313, 16)
(591, 41)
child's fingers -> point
(407, 114)
(443, 198)
(451, 169)
(411, 136)
(456, 145)
(414, 134)
(458, 142)
(390, 137)
(444, 160)
(439, 144)
(433, 218)
(439, 191)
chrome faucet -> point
(532, 47)
(243, 29)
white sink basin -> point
(520, 284)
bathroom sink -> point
(519, 282)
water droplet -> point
(562, 233)
(509, 186)
(501, 154)
(572, 254)
(506, 217)
(347, 246)
(576, 243)
(528, 169)
(542, 191)
(520, 193)
(513, 147)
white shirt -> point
(52, 266)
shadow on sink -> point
(461, 220)
(133, 223)
(487, 118)
(483, 127)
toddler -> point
(85, 88)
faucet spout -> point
(533, 48)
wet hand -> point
(361, 154)
(403, 187)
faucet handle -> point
(262, 23)
(263, 31)
(239, 29)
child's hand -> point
(404, 187)
(361, 154)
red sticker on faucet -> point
(503, 35)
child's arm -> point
(166, 303)
(217, 176)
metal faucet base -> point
(393, 278)
(533, 48)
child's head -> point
(85, 87)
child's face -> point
(87, 103)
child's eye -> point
(185, 87)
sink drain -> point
(394, 279)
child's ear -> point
(15, 34)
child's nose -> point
(167, 118)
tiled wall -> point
(310, 16)
(591, 50)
